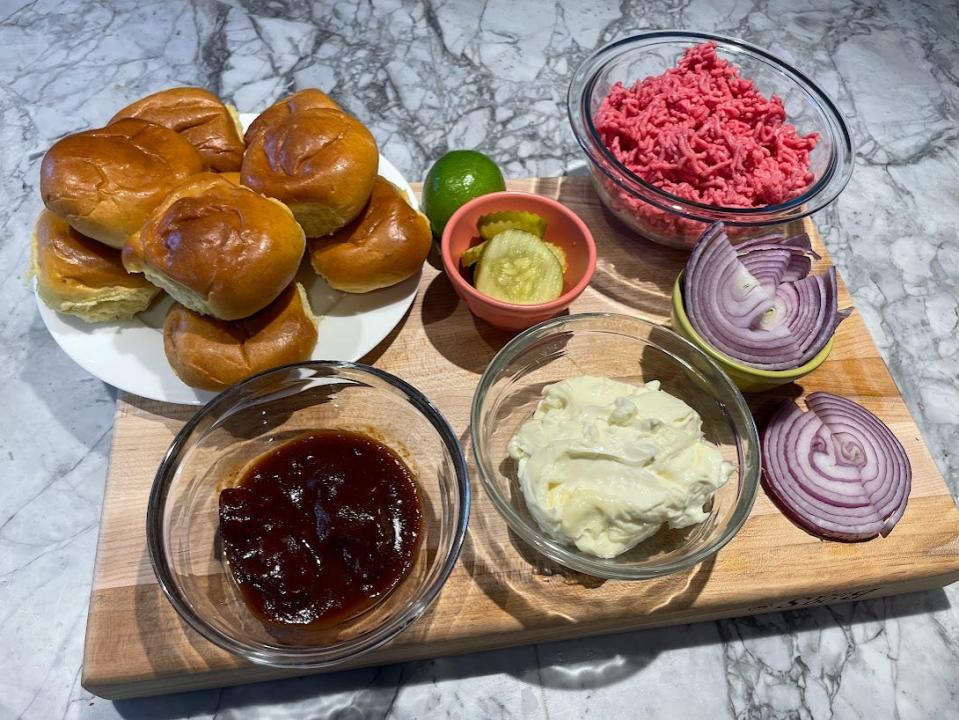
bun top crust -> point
(218, 247)
(66, 261)
(105, 182)
(321, 163)
(233, 177)
(309, 99)
(200, 117)
(386, 244)
(213, 354)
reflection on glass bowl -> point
(634, 351)
(240, 425)
(675, 221)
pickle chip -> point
(517, 267)
(473, 255)
(492, 224)
(560, 255)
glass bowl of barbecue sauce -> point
(308, 514)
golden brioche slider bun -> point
(200, 117)
(309, 99)
(105, 182)
(233, 177)
(83, 277)
(386, 244)
(218, 248)
(320, 163)
(213, 354)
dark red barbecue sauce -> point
(321, 528)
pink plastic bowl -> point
(563, 228)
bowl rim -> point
(320, 656)
(679, 309)
(451, 267)
(808, 202)
(560, 552)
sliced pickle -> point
(518, 267)
(473, 255)
(560, 255)
(492, 224)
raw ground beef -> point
(703, 133)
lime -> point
(455, 179)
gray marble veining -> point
(492, 75)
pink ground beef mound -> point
(703, 133)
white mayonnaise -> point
(604, 464)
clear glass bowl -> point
(631, 350)
(672, 220)
(242, 423)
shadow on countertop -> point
(80, 403)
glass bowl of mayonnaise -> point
(614, 447)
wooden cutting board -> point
(502, 593)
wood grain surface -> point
(501, 593)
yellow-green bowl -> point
(748, 379)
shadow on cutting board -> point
(150, 603)
(538, 592)
(630, 270)
(464, 340)
(176, 414)
(574, 665)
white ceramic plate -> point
(129, 355)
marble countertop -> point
(490, 75)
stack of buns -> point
(171, 196)
(217, 247)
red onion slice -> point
(836, 470)
(798, 248)
(756, 302)
(770, 264)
